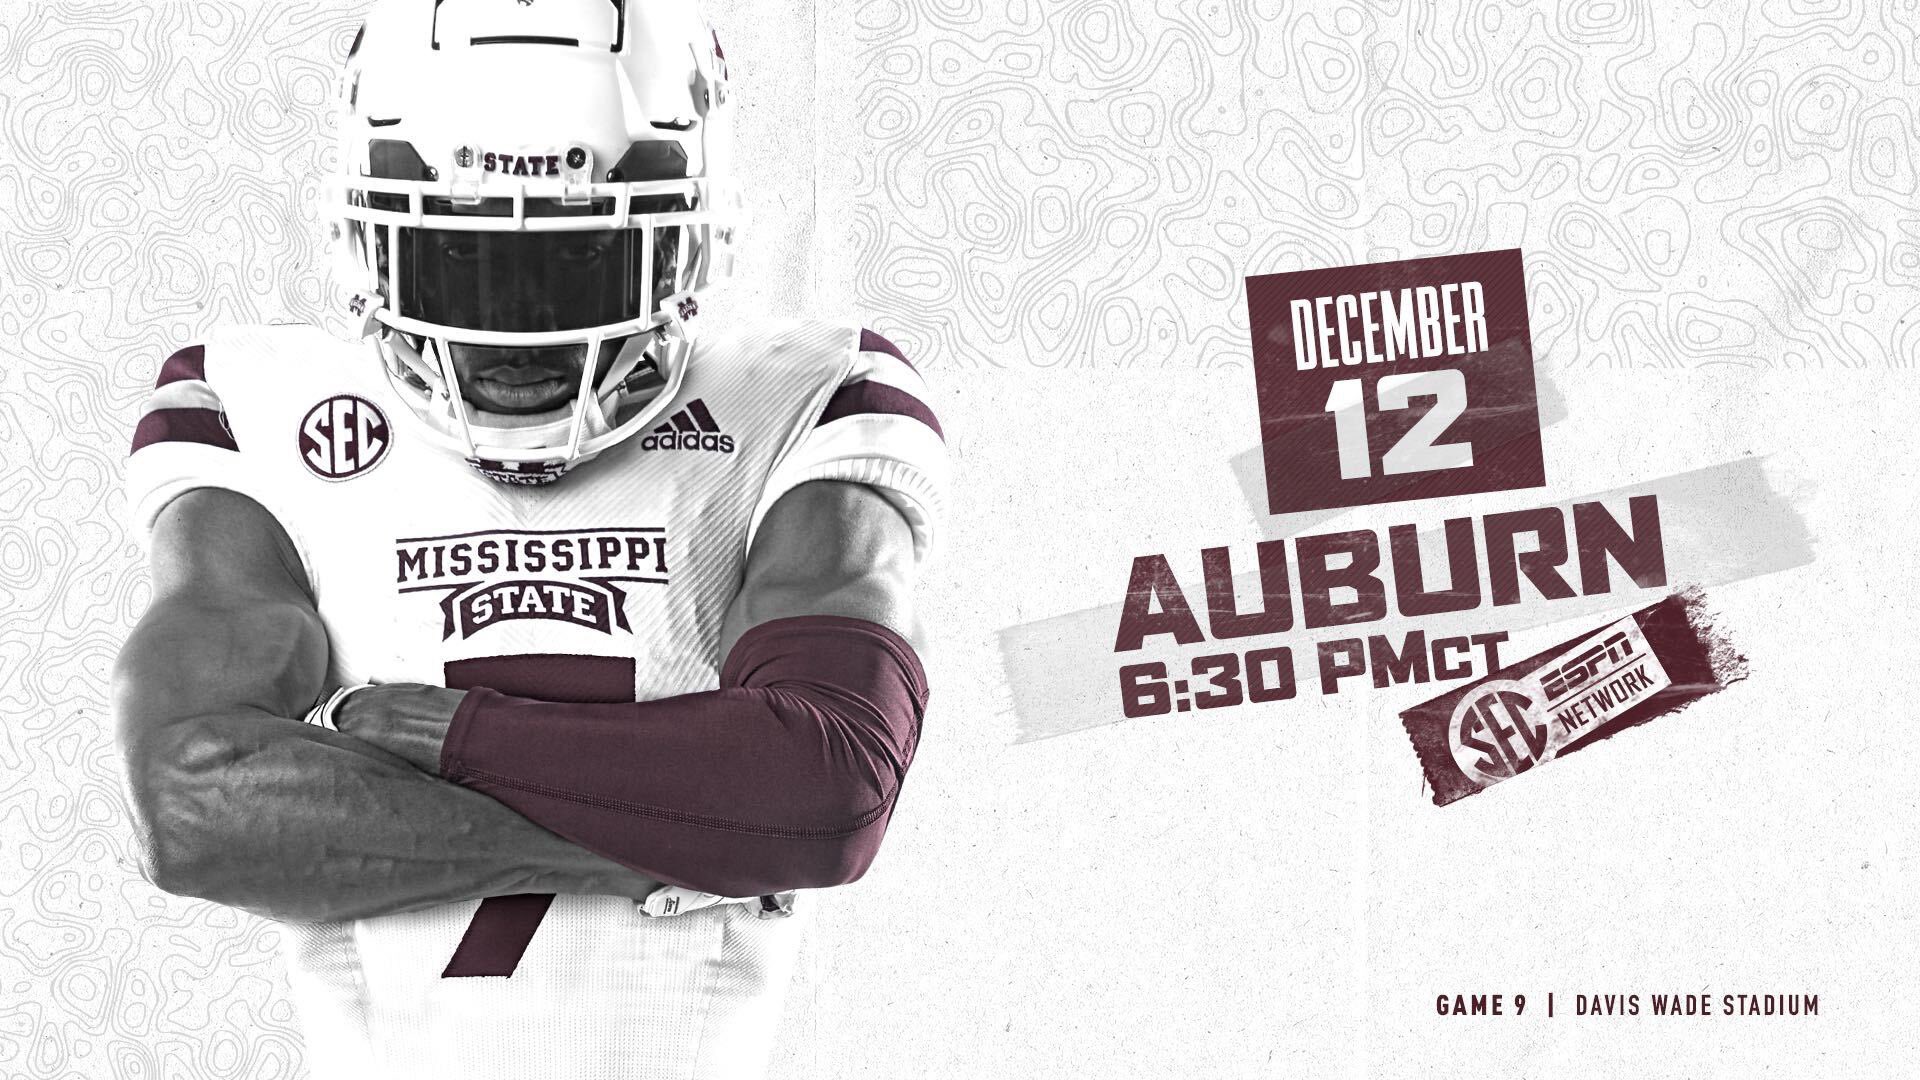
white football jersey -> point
(606, 585)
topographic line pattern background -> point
(1005, 187)
(1085, 183)
(160, 163)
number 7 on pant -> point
(503, 926)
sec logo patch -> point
(344, 436)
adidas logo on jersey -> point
(692, 428)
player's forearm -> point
(784, 778)
(233, 803)
(292, 822)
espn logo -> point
(692, 428)
(1575, 673)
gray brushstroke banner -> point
(1720, 524)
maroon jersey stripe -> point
(872, 397)
(205, 426)
(872, 342)
(188, 363)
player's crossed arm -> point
(783, 778)
(235, 801)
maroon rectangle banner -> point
(1395, 381)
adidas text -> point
(688, 440)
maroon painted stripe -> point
(684, 422)
(498, 936)
(872, 397)
(188, 363)
(207, 426)
(872, 342)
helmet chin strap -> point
(633, 352)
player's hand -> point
(408, 720)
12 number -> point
(1416, 451)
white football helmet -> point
(550, 175)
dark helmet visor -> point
(530, 282)
(520, 282)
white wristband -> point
(673, 900)
(322, 715)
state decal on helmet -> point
(526, 191)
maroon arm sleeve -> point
(784, 778)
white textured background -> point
(1050, 207)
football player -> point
(529, 662)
